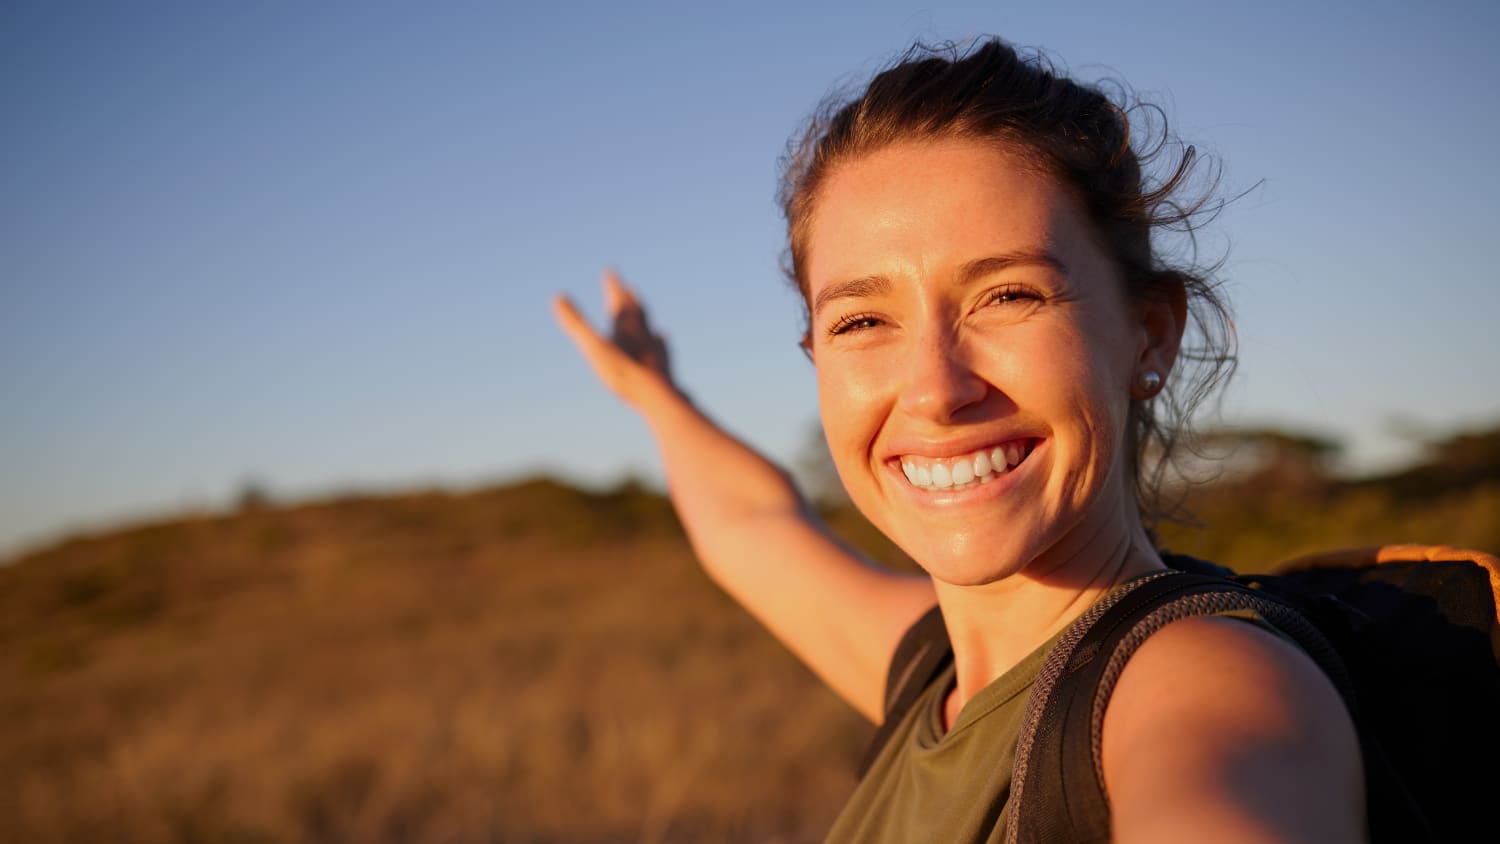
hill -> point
(524, 663)
(528, 663)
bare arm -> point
(1220, 731)
(755, 535)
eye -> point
(853, 323)
(1011, 294)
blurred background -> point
(314, 528)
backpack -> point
(1409, 635)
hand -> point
(632, 359)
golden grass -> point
(523, 664)
(416, 669)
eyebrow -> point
(980, 267)
(875, 285)
(871, 285)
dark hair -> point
(988, 92)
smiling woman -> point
(993, 335)
(1000, 324)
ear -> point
(1163, 318)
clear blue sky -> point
(312, 244)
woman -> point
(992, 332)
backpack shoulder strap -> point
(922, 652)
(1057, 790)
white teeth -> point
(941, 477)
(963, 472)
(982, 465)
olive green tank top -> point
(927, 785)
(953, 788)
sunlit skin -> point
(961, 300)
(984, 310)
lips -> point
(962, 471)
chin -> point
(966, 561)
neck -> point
(996, 625)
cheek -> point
(853, 402)
(1101, 354)
(1056, 371)
(840, 404)
(1104, 404)
(1075, 385)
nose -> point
(941, 379)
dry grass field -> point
(525, 664)
(529, 663)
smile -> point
(965, 470)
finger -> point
(611, 364)
(578, 328)
(624, 305)
(617, 297)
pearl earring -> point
(1149, 383)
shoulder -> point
(1220, 726)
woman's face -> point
(975, 353)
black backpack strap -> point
(1057, 790)
(922, 652)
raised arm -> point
(753, 532)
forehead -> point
(919, 207)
